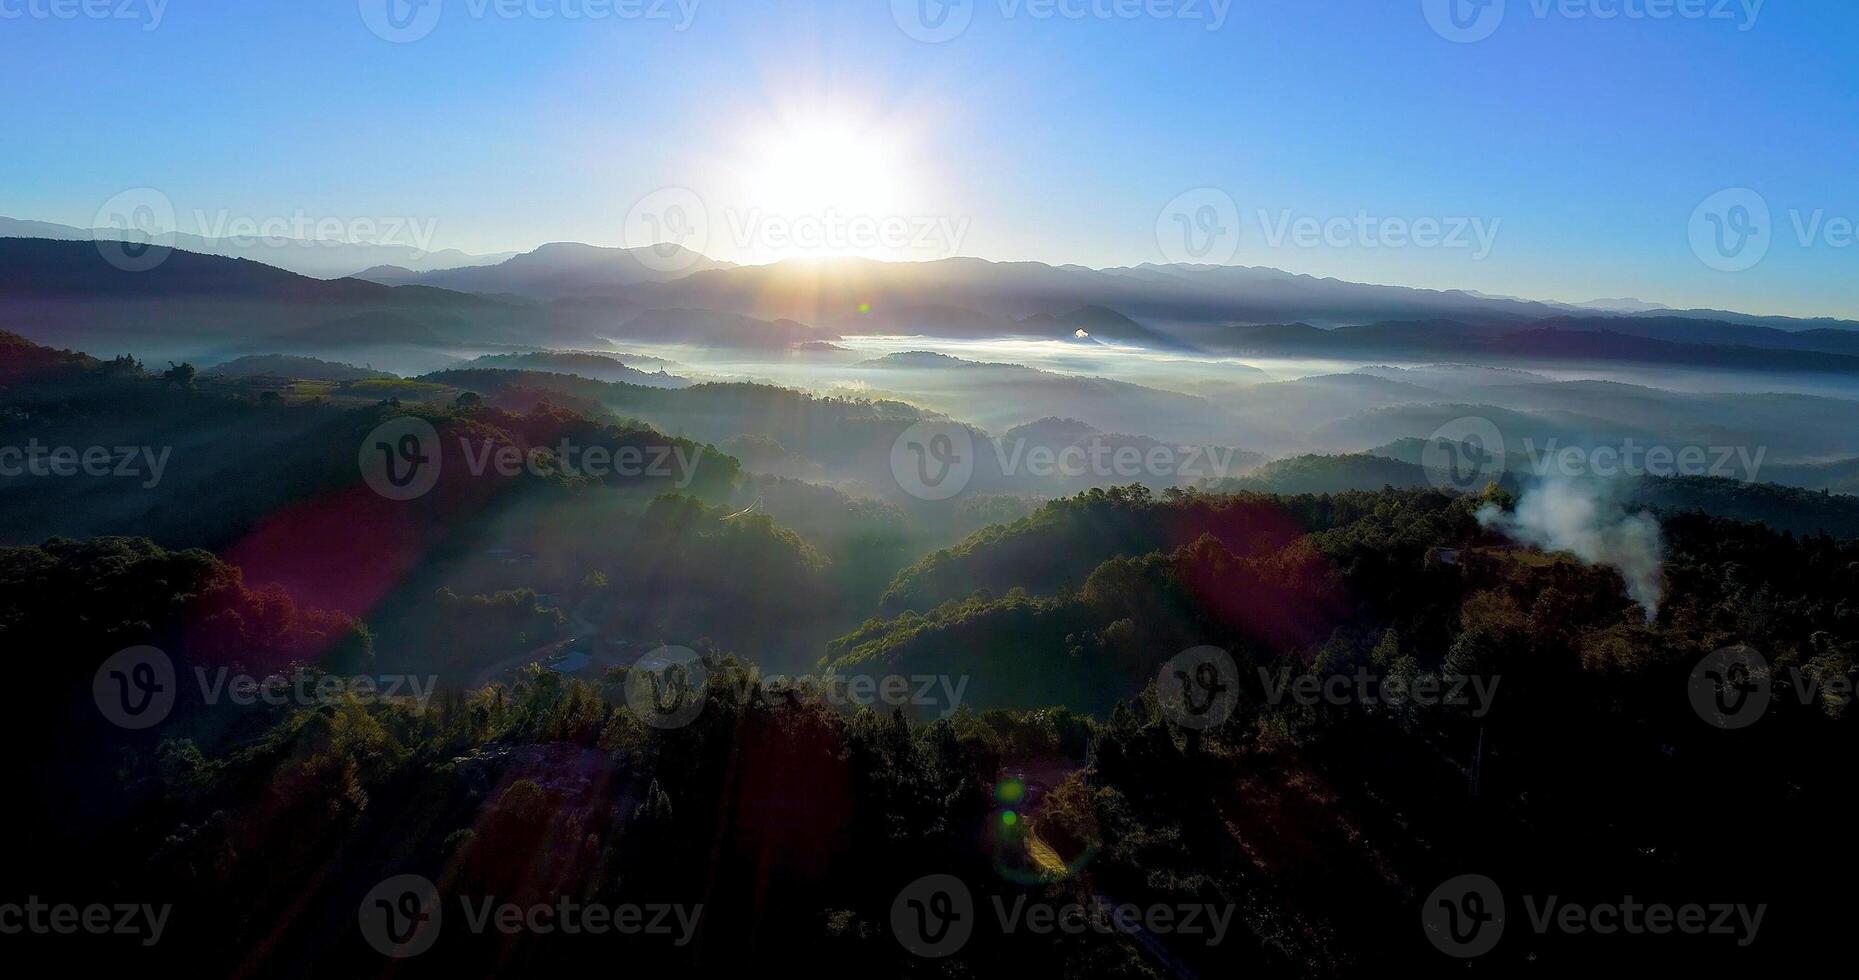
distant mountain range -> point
(319, 259)
(1637, 340)
(292, 366)
(564, 270)
(64, 292)
(1159, 305)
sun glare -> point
(819, 178)
(824, 166)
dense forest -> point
(1407, 695)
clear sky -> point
(1052, 130)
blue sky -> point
(1582, 146)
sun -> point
(814, 167)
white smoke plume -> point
(1561, 515)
